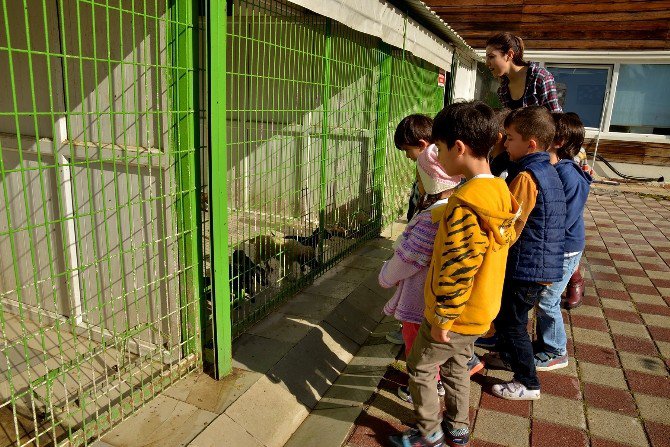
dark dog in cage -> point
(313, 239)
(305, 255)
(246, 279)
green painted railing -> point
(171, 171)
(303, 155)
(100, 223)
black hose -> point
(624, 176)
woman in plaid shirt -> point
(521, 83)
(531, 85)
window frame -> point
(604, 117)
(603, 58)
(648, 136)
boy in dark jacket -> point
(576, 184)
(536, 258)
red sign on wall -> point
(441, 78)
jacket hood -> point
(585, 175)
(494, 204)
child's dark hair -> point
(411, 129)
(569, 134)
(471, 122)
(499, 145)
(533, 122)
(500, 117)
(508, 41)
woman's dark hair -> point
(508, 41)
(569, 134)
(411, 129)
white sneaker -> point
(440, 389)
(514, 391)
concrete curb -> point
(332, 420)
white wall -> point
(630, 169)
(381, 19)
(466, 76)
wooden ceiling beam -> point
(541, 29)
(585, 45)
(573, 34)
(570, 24)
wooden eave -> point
(562, 24)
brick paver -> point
(616, 391)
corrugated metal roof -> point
(422, 13)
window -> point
(582, 90)
(641, 100)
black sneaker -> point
(414, 438)
(487, 342)
(459, 437)
(497, 360)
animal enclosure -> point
(311, 168)
(154, 203)
(99, 230)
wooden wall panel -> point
(568, 25)
(632, 151)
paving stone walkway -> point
(616, 390)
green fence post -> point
(183, 15)
(327, 54)
(382, 127)
(218, 169)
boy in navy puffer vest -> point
(535, 261)
(552, 340)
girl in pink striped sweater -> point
(408, 267)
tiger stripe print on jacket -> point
(461, 257)
(464, 284)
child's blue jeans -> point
(550, 329)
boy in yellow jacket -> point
(464, 283)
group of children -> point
(482, 248)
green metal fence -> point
(171, 171)
(100, 265)
(306, 115)
(486, 86)
(414, 90)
